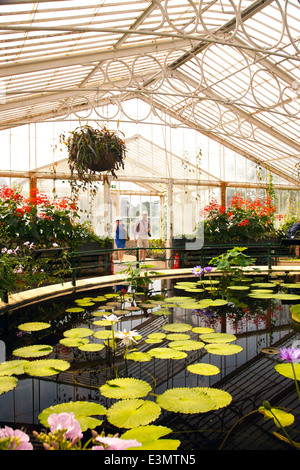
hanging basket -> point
(94, 150)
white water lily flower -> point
(111, 318)
(126, 336)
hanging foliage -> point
(93, 150)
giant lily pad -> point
(133, 413)
(150, 438)
(138, 356)
(73, 342)
(37, 350)
(82, 410)
(103, 334)
(91, 347)
(46, 367)
(7, 384)
(123, 388)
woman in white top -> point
(141, 235)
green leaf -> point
(103, 334)
(73, 342)
(202, 330)
(124, 388)
(7, 384)
(33, 351)
(139, 356)
(149, 436)
(82, 410)
(91, 347)
(133, 413)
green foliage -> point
(232, 262)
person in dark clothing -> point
(293, 230)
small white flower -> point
(111, 318)
(126, 336)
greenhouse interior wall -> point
(182, 171)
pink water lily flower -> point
(115, 443)
(67, 422)
(197, 271)
(19, 440)
(290, 354)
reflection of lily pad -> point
(7, 384)
(223, 349)
(82, 410)
(33, 351)
(46, 367)
(34, 326)
(133, 413)
(203, 369)
(150, 438)
(124, 388)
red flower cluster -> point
(244, 222)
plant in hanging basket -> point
(93, 150)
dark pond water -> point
(260, 326)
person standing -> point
(120, 237)
(141, 235)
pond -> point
(222, 341)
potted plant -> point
(93, 150)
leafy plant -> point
(232, 262)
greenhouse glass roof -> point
(229, 69)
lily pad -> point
(37, 350)
(281, 418)
(150, 438)
(287, 370)
(124, 388)
(186, 345)
(103, 334)
(283, 296)
(34, 326)
(167, 353)
(78, 333)
(139, 356)
(7, 384)
(73, 342)
(193, 400)
(133, 413)
(202, 329)
(46, 367)
(156, 335)
(177, 337)
(75, 310)
(161, 311)
(177, 327)
(203, 369)
(218, 338)
(91, 347)
(224, 349)
(15, 367)
(82, 410)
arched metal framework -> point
(227, 68)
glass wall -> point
(131, 208)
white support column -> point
(169, 219)
(107, 207)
